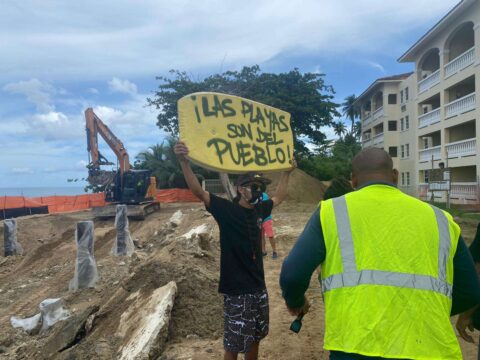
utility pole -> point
(447, 170)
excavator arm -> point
(95, 126)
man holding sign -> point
(242, 280)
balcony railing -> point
(462, 148)
(464, 190)
(460, 62)
(459, 191)
(426, 154)
(367, 119)
(377, 139)
(460, 106)
(367, 143)
(429, 118)
(431, 80)
(379, 112)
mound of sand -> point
(301, 187)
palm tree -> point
(350, 110)
(161, 160)
(339, 129)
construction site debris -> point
(176, 218)
(51, 312)
(144, 325)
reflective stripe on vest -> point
(352, 277)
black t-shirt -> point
(241, 260)
(475, 251)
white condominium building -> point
(429, 117)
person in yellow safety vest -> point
(393, 270)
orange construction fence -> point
(57, 204)
(176, 195)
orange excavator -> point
(135, 188)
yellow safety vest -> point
(388, 274)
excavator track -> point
(134, 212)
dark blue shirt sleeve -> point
(306, 255)
(475, 246)
(466, 286)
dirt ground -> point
(162, 255)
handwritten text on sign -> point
(233, 134)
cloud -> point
(192, 35)
(54, 126)
(93, 91)
(23, 170)
(37, 92)
(122, 86)
(377, 66)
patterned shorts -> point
(245, 320)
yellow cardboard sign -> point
(231, 134)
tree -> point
(161, 160)
(350, 110)
(304, 96)
(339, 129)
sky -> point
(60, 57)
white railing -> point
(429, 81)
(429, 118)
(460, 106)
(377, 139)
(379, 112)
(464, 190)
(367, 120)
(426, 154)
(367, 143)
(460, 62)
(461, 148)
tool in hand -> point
(297, 323)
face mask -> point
(256, 195)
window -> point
(425, 143)
(401, 124)
(426, 176)
(406, 94)
(408, 178)
(402, 151)
(392, 125)
(392, 99)
(407, 150)
(401, 97)
(392, 151)
(403, 179)
(404, 108)
(407, 123)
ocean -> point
(41, 191)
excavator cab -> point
(132, 188)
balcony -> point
(378, 113)
(460, 62)
(429, 118)
(377, 139)
(430, 81)
(460, 106)
(426, 154)
(367, 120)
(461, 148)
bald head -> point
(373, 164)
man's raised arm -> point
(181, 151)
